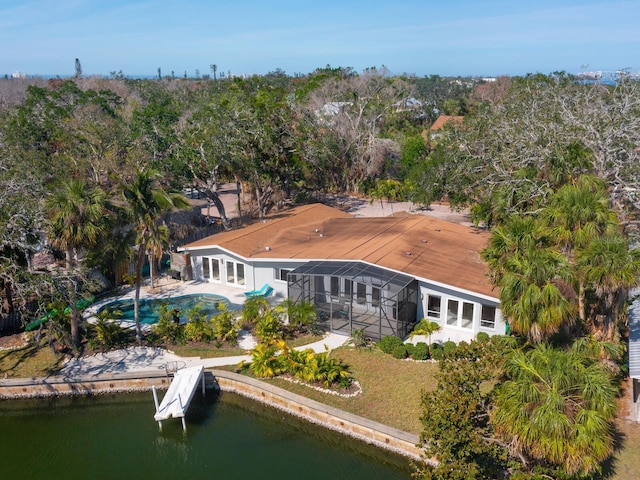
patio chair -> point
(265, 291)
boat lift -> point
(179, 395)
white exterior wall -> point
(457, 332)
(256, 273)
(266, 272)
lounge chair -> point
(265, 291)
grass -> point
(29, 362)
(205, 351)
(391, 388)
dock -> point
(179, 395)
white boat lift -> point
(178, 397)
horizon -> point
(462, 38)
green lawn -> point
(391, 389)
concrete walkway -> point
(149, 359)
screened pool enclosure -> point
(354, 295)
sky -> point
(245, 37)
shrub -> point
(387, 344)
(449, 346)
(482, 337)
(358, 338)
(399, 351)
(420, 351)
(168, 330)
(409, 347)
(268, 327)
(437, 352)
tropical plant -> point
(427, 328)
(268, 327)
(265, 362)
(78, 218)
(198, 327)
(146, 201)
(298, 314)
(167, 328)
(253, 309)
(358, 338)
(223, 325)
(557, 407)
(107, 330)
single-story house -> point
(379, 274)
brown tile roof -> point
(444, 119)
(419, 245)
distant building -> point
(17, 74)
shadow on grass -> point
(29, 361)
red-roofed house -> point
(379, 274)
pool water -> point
(149, 309)
(228, 437)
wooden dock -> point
(179, 395)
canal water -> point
(227, 437)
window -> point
(452, 312)
(206, 261)
(281, 274)
(433, 306)
(488, 317)
(235, 273)
(467, 315)
(231, 276)
(215, 269)
(375, 296)
(240, 273)
(361, 293)
(335, 286)
(348, 288)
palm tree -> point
(78, 219)
(146, 201)
(299, 314)
(578, 213)
(608, 268)
(534, 293)
(533, 277)
(557, 406)
(425, 327)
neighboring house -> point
(443, 120)
(379, 274)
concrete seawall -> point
(355, 426)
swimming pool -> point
(149, 309)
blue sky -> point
(423, 37)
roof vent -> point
(408, 254)
(268, 249)
(424, 240)
(437, 229)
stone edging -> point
(375, 433)
(383, 436)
